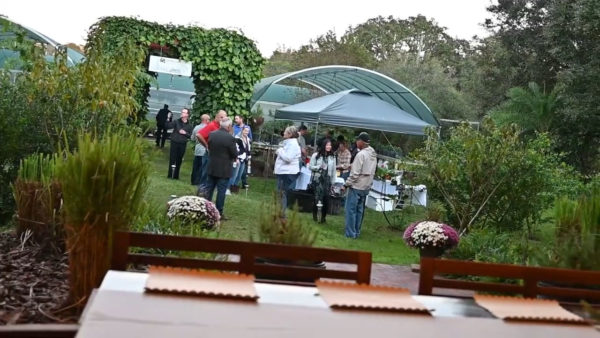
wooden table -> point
(120, 308)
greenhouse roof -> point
(334, 79)
(73, 56)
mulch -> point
(33, 283)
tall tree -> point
(326, 49)
(388, 38)
(574, 34)
(519, 25)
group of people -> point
(221, 153)
(325, 162)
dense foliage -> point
(491, 176)
(226, 64)
(50, 103)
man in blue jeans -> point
(358, 184)
(223, 153)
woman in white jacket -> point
(287, 164)
(323, 165)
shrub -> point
(495, 246)
(103, 184)
(52, 101)
(491, 177)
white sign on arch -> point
(171, 66)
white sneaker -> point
(227, 192)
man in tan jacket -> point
(359, 183)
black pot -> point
(431, 252)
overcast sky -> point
(271, 24)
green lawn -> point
(378, 237)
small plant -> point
(274, 228)
(435, 212)
(384, 173)
(194, 210)
(428, 234)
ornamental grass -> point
(103, 183)
(37, 196)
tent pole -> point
(316, 135)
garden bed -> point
(33, 284)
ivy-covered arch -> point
(226, 64)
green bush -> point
(492, 177)
(489, 245)
(50, 102)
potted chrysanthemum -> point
(194, 210)
(431, 238)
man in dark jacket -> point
(223, 152)
(182, 130)
(162, 117)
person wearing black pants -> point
(322, 164)
(162, 117)
(182, 130)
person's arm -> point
(194, 135)
(356, 170)
(186, 130)
(313, 165)
(287, 153)
(202, 139)
(232, 151)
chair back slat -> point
(567, 292)
(183, 243)
(563, 284)
(478, 286)
(252, 257)
(191, 263)
(282, 271)
(39, 330)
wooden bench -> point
(268, 262)
(562, 284)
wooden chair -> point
(268, 262)
(39, 330)
(561, 284)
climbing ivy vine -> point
(226, 64)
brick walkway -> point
(403, 277)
